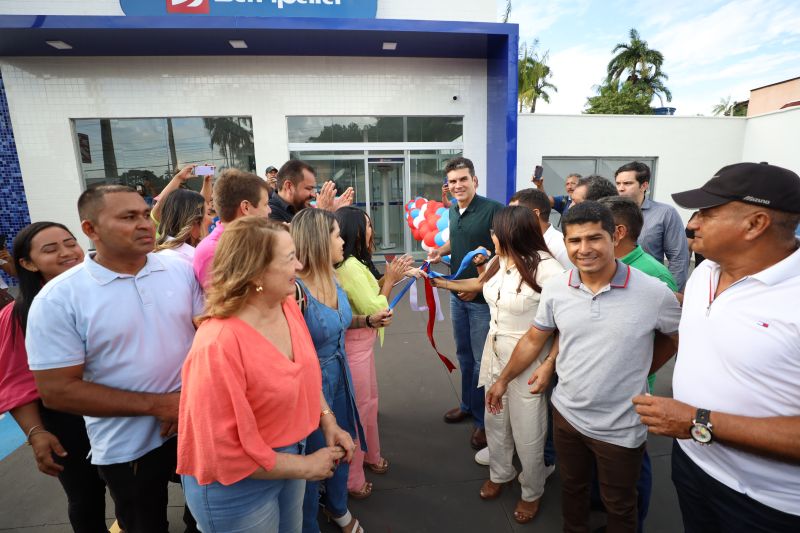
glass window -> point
(556, 170)
(435, 129)
(374, 129)
(145, 153)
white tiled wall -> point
(470, 10)
(45, 93)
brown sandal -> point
(362, 494)
(491, 490)
(526, 511)
(380, 468)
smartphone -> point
(204, 170)
(445, 182)
(537, 173)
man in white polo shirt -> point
(107, 340)
(608, 316)
(736, 384)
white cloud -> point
(737, 28)
(576, 71)
(536, 17)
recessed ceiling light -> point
(59, 45)
(389, 46)
(238, 44)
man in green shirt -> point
(470, 226)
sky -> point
(712, 48)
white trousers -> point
(520, 426)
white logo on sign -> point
(281, 3)
(194, 3)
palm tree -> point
(634, 58)
(722, 108)
(233, 136)
(533, 73)
(654, 85)
(507, 11)
(729, 108)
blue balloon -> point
(438, 239)
(414, 213)
(441, 211)
(442, 224)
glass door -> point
(385, 176)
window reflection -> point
(374, 129)
(145, 153)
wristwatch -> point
(701, 429)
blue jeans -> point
(249, 505)
(709, 506)
(470, 329)
(334, 489)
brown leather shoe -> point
(491, 490)
(478, 440)
(455, 415)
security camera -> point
(455, 98)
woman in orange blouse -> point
(252, 392)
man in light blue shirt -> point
(663, 234)
(107, 340)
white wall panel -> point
(45, 93)
(689, 149)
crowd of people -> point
(226, 340)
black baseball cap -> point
(269, 169)
(753, 183)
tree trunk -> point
(173, 156)
(109, 157)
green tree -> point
(638, 64)
(728, 108)
(533, 74)
(633, 58)
(619, 99)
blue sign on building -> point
(365, 9)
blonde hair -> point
(245, 250)
(311, 231)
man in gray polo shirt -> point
(615, 325)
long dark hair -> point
(353, 229)
(30, 283)
(520, 236)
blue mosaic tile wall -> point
(14, 213)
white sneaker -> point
(548, 470)
(482, 457)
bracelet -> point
(33, 431)
(366, 320)
(326, 412)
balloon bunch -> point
(429, 221)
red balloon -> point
(423, 228)
(416, 235)
(420, 202)
(429, 239)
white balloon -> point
(446, 234)
(420, 218)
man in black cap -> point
(736, 385)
